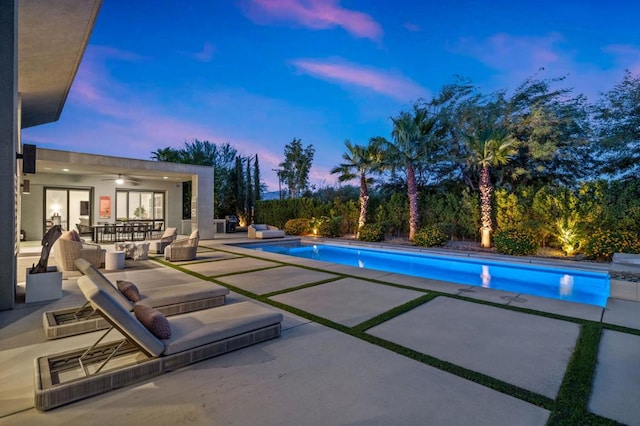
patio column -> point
(8, 142)
(202, 204)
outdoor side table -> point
(114, 260)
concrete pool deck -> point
(316, 374)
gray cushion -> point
(209, 325)
(100, 280)
(153, 319)
(114, 312)
(181, 293)
(129, 289)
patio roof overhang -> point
(75, 163)
(52, 37)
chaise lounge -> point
(171, 300)
(264, 231)
(164, 344)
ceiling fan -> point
(120, 180)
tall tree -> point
(488, 148)
(359, 161)
(296, 167)
(168, 154)
(248, 192)
(416, 142)
(257, 185)
(618, 123)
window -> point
(139, 205)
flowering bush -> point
(297, 227)
(372, 232)
(327, 226)
(515, 242)
(430, 237)
(603, 244)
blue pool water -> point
(572, 285)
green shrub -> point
(430, 237)
(329, 226)
(515, 242)
(603, 244)
(299, 226)
(372, 232)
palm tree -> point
(359, 161)
(415, 139)
(488, 148)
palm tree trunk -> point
(412, 188)
(364, 204)
(485, 206)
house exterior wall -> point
(9, 125)
(33, 207)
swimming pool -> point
(565, 284)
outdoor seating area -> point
(262, 231)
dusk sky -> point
(257, 73)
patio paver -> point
(348, 301)
(270, 280)
(616, 384)
(622, 312)
(229, 266)
(528, 351)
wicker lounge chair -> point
(70, 247)
(78, 374)
(264, 231)
(171, 300)
(158, 246)
(183, 249)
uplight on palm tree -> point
(358, 162)
(489, 148)
(415, 142)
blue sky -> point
(257, 73)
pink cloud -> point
(315, 14)
(387, 83)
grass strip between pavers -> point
(570, 406)
(300, 287)
(573, 396)
(397, 311)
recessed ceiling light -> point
(65, 170)
(165, 177)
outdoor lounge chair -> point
(264, 231)
(70, 247)
(158, 246)
(78, 374)
(183, 249)
(170, 300)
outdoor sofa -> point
(169, 300)
(262, 231)
(148, 350)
